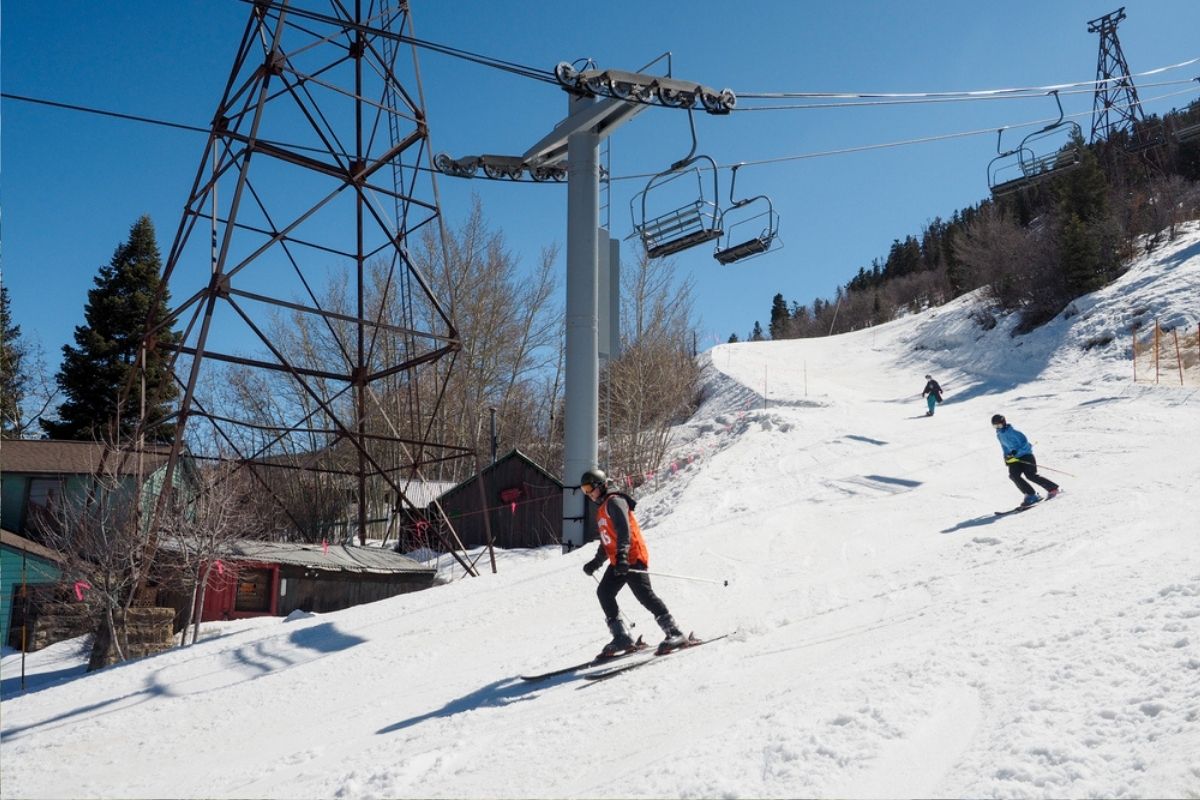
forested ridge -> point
(1035, 249)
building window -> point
(44, 493)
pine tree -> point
(12, 370)
(1087, 256)
(756, 335)
(779, 318)
(97, 369)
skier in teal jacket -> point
(1018, 455)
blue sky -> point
(71, 184)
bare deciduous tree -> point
(198, 529)
(652, 385)
(97, 527)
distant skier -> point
(622, 545)
(932, 394)
(1018, 455)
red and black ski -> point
(692, 641)
(639, 646)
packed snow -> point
(889, 635)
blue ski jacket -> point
(1013, 442)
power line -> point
(102, 112)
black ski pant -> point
(639, 584)
(1027, 468)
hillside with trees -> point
(1035, 250)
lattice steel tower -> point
(1116, 106)
(305, 323)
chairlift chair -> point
(755, 215)
(697, 222)
(1045, 153)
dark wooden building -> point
(277, 578)
(520, 500)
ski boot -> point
(675, 638)
(1053, 493)
(621, 642)
(1030, 499)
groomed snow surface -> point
(890, 636)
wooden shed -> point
(276, 578)
(520, 500)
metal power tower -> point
(1116, 106)
(307, 334)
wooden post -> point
(1156, 343)
(1135, 327)
(1178, 355)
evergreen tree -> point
(733, 338)
(1087, 254)
(12, 370)
(779, 318)
(756, 335)
(97, 369)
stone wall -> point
(54, 622)
(148, 630)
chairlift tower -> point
(599, 102)
(314, 177)
(1116, 106)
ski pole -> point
(624, 618)
(1043, 466)
(680, 577)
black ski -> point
(595, 662)
(692, 641)
(1018, 509)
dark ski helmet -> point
(998, 419)
(594, 477)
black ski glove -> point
(593, 565)
(621, 568)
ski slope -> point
(890, 637)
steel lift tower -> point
(316, 175)
(1116, 106)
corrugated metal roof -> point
(423, 493)
(57, 457)
(335, 558)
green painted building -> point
(24, 565)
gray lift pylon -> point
(577, 139)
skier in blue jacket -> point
(1018, 455)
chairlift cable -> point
(930, 100)
(1031, 91)
(901, 143)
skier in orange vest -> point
(622, 545)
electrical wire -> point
(546, 76)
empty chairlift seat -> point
(1043, 154)
(750, 225)
(672, 214)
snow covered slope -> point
(891, 637)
